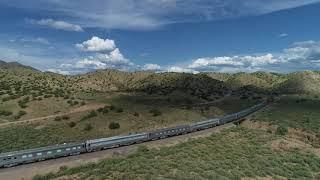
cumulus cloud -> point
(306, 50)
(238, 61)
(300, 56)
(181, 70)
(96, 44)
(100, 54)
(151, 67)
(60, 25)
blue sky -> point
(71, 37)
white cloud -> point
(103, 54)
(96, 44)
(59, 71)
(306, 50)
(282, 35)
(89, 63)
(181, 70)
(207, 63)
(60, 25)
(151, 67)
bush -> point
(281, 130)
(136, 114)
(90, 115)
(105, 111)
(100, 110)
(72, 124)
(20, 114)
(58, 118)
(155, 112)
(114, 125)
(65, 117)
(88, 127)
(5, 113)
(112, 107)
(83, 103)
(119, 110)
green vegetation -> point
(72, 124)
(5, 113)
(232, 154)
(281, 131)
(20, 114)
(92, 114)
(294, 111)
(114, 125)
(155, 112)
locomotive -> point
(10, 159)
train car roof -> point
(115, 137)
(169, 128)
(41, 149)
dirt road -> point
(87, 107)
(27, 171)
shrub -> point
(155, 112)
(100, 110)
(72, 124)
(112, 107)
(75, 102)
(281, 130)
(105, 111)
(114, 125)
(65, 117)
(5, 113)
(58, 118)
(83, 103)
(63, 168)
(90, 115)
(20, 114)
(88, 127)
(136, 114)
(119, 110)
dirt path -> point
(87, 107)
(29, 170)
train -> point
(10, 159)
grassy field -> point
(231, 154)
(134, 113)
(294, 111)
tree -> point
(114, 125)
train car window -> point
(59, 150)
(39, 154)
(68, 149)
(24, 156)
(79, 147)
(74, 148)
(30, 155)
(49, 152)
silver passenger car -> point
(167, 132)
(205, 124)
(38, 154)
(116, 141)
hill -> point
(301, 82)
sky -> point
(78, 36)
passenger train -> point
(68, 149)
